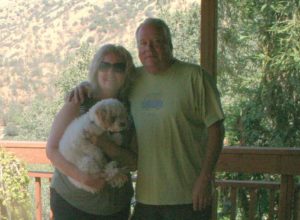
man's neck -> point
(160, 69)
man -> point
(179, 124)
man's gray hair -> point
(160, 24)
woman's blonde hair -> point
(129, 71)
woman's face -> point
(112, 73)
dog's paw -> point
(118, 180)
(115, 176)
(90, 137)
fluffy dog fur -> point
(77, 145)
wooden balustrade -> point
(253, 187)
(282, 161)
(38, 175)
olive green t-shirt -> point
(171, 112)
(109, 201)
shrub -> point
(14, 196)
(11, 130)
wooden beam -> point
(284, 161)
(260, 160)
(208, 35)
(29, 151)
(38, 200)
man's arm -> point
(126, 157)
(78, 93)
(202, 192)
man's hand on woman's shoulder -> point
(80, 92)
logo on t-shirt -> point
(152, 101)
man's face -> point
(154, 49)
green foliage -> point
(14, 197)
(184, 26)
(77, 69)
(280, 87)
(259, 79)
(258, 67)
(36, 119)
(239, 72)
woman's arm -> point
(63, 118)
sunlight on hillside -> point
(37, 38)
(3, 3)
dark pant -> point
(169, 212)
(62, 210)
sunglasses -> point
(116, 67)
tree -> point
(184, 27)
(77, 69)
(258, 60)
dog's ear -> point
(100, 112)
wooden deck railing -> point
(253, 186)
(282, 161)
(285, 162)
(38, 176)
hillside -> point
(37, 37)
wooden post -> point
(208, 36)
(38, 201)
(253, 200)
(286, 197)
(297, 204)
(215, 205)
(233, 193)
(271, 204)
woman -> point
(111, 74)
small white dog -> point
(77, 145)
